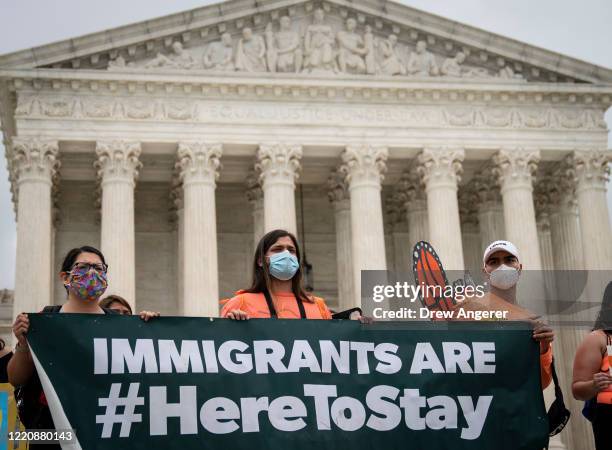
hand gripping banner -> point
(180, 383)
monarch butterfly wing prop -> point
(430, 276)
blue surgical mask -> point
(283, 265)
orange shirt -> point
(286, 306)
(546, 367)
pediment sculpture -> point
(314, 47)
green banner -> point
(301, 384)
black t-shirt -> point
(35, 399)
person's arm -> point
(232, 310)
(21, 366)
(588, 380)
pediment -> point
(330, 38)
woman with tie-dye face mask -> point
(83, 275)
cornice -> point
(292, 86)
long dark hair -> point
(73, 254)
(604, 318)
(262, 280)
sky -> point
(580, 29)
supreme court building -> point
(363, 126)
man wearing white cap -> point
(502, 270)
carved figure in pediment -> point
(251, 52)
(391, 64)
(370, 56)
(422, 62)
(318, 45)
(284, 48)
(351, 49)
(507, 73)
(271, 53)
(178, 59)
(220, 55)
(117, 63)
(453, 67)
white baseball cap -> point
(496, 246)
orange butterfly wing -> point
(430, 276)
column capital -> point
(254, 192)
(364, 164)
(198, 162)
(515, 167)
(395, 211)
(543, 194)
(468, 208)
(412, 192)
(591, 168)
(176, 192)
(176, 198)
(337, 188)
(34, 159)
(560, 186)
(118, 161)
(440, 165)
(486, 190)
(278, 163)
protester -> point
(83, 274)
(121, 306)
(277, 289)
(592, 378)
(117, 304)
(502, 270)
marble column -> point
(34, 163)
(199, 165)
(338, 195)
(470, 231)
(567, 255)
(255, 197)
(562, 358)
(396, 227)
(278, 166)
(592, 173)
(490, 212)
(364, 167)
(564, 223)
(515, 168)
(415, 207)
(178, 218)
(546, 254)
(440, 169)
(118, 168)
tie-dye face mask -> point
(88, 284)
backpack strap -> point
(300, 304)
(558, 392)
(272, 308)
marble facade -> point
(175, 145)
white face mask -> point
(504, 277)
